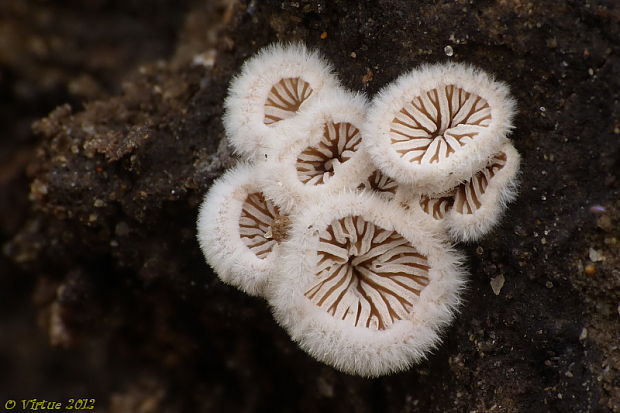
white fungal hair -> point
(341, 213)
(362, 289)
(274, 86)
(470, 210)
(435, 126)
(326, 159)
(234, 227)
(480, 202)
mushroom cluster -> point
(343, 213)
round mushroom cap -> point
(362, 289)
(435, 126)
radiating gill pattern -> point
(285, 98)
(380, 183)
(317, 164)
(468, 198)
(261, 226)
(437, 207)
(438, 123)
(366, 275)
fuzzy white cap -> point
(443, 162)
(500, 190)
(323, 157)
(219, 232)
(364, 279)
(344, 342)
(249, 92)
(470, 210)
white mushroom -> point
(472, 208)
(327, 157)
(273, 88)
(239, 231)
(435, 126)
(342, 220)
(362, 289)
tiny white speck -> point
(497, 283)
(448, 50)
(206, 59)
(595, 255)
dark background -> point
(110, 133)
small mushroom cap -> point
(239, 231)
(274, 86)
(471, 209)
(435, 126)
(481, 201)
(325, 160)
(361, 288)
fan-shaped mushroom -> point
(437, 125)
(362, 289)
(240, 230)
(327, 157)
(273, 88)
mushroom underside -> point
(317, 164)
(468, 197)
(366, 275)
(438, 123)
(380, 183)
(285, 98)
(261, 226)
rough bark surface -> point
(98, 206)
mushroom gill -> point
(438, 207)
(285, 99)
(261, 225)
(438, 123)
(466, 198)
(317, 164)
(381, 183)
(366, 275)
